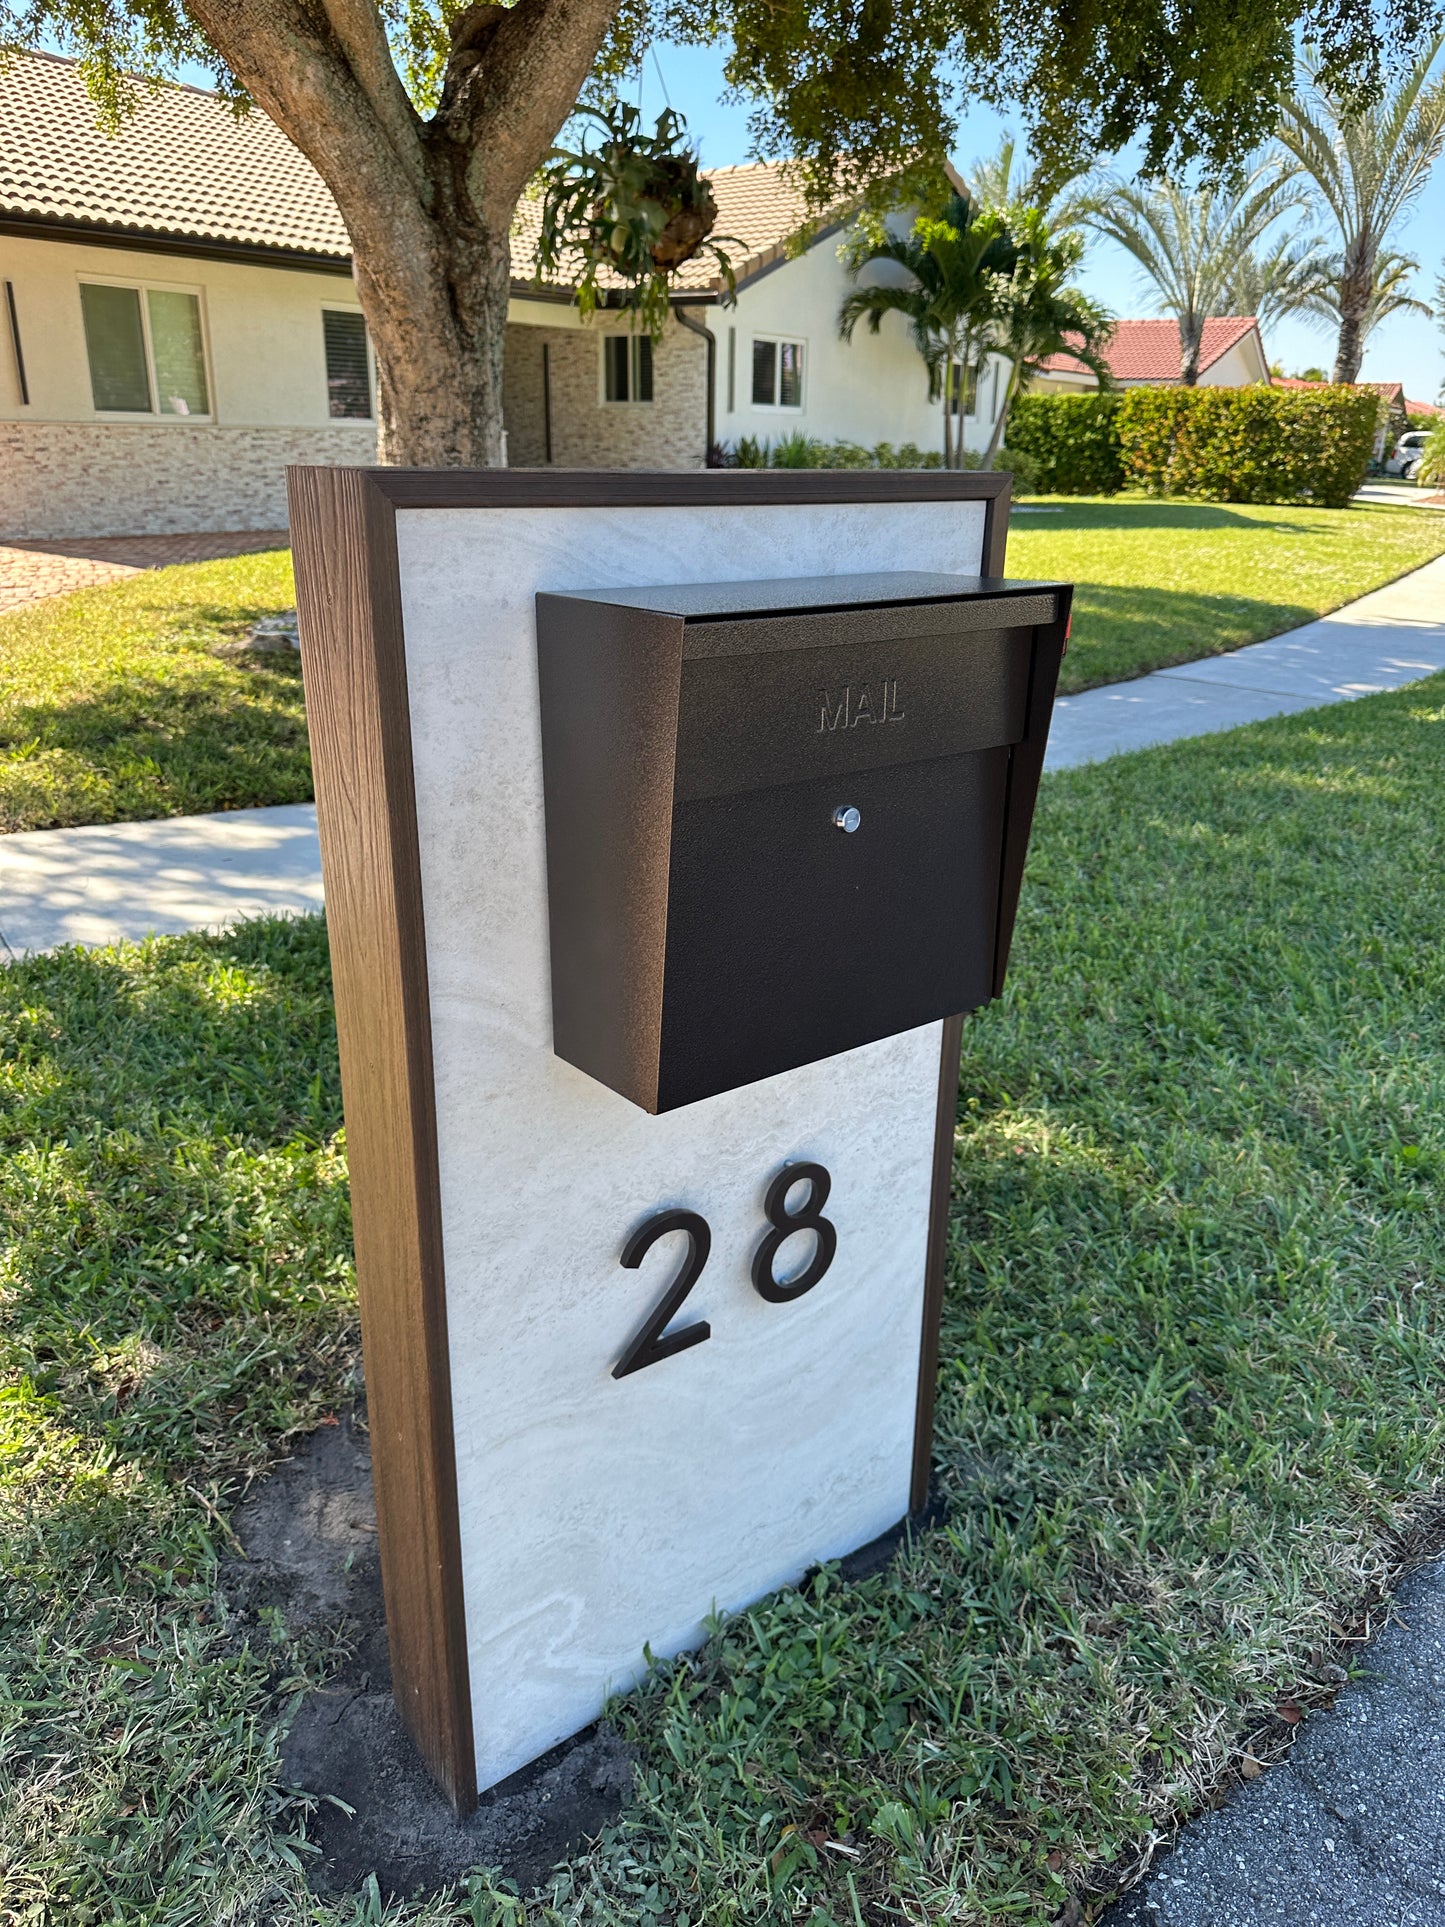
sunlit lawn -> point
(1189, 1395)
(1166, 582)
(113, 706)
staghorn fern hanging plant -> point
(631, 204)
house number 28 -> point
(655, 1342)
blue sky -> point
(1408, 348)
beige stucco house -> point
(178, 322)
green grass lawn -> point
(1167, 582)
(112, 705)
(1189, 1404)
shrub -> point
(1249, 444)
(1071, 443)
(1024, 469)
(1432, 461)
(798, 450)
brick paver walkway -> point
(30, 571)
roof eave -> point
(142, 240)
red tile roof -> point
(1149, 350)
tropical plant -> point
(1010, 178)
(1389, 293)
(956, 263)
(1038, 313)
(1280, 276)
(1190, 244)
(1367, 166)
(428, 119)
(631, 203)
(1432, 456)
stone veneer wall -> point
(135, 478)
(130, 478)
(668, 432)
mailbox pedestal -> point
(653, 913)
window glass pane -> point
(790, 374)
(115, 345)
(963, 393)
(642, 387)
(179, 357)
(615, 352)
(348, 379)
(765, 373)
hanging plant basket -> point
(622, 213)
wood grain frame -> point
(354, 666)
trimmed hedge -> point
(1225, 444)
(1071, 442)
(1249, 444)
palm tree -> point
(1279, 278)
(1191, 244)
(955, 264)
(1039, 314)
(1367, 167)
(1007, 178)
(1390, 292)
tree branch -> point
(358, 28)
(291, 61)
(506, 108)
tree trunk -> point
(1355, 283)
(995, 440)
(439, 339)
(428, 205)
(1191, 340)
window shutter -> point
(765, 373)
(348, 379)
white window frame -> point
(154, 413)
(634, 355)
(349, 307)
(780, 407)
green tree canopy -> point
(428, 118)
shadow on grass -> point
(1122, 630)
(177, 739)
(1145, 512)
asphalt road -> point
(1349, 1830)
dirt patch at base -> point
(308, 1533)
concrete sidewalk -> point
(117, 880)
(1393, 636)
(102, 884)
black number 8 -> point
(785, 1223)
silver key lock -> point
(846, 818)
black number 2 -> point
(784, 1223)
(655, 1341)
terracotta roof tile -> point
(186, 168)
(1149, 350)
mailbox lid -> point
(749, 720)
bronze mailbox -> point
(784, 818)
